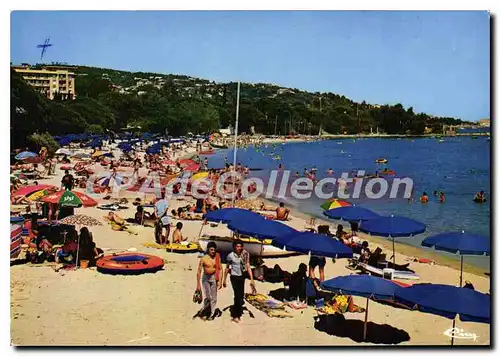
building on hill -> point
(484, 122)
(50, 80)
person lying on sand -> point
(117, 223)
(264, 207)
(282, 213)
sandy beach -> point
(85, 307)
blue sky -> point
(437, 62)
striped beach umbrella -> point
(69, 199)
(334, 203)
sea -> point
(457, 166)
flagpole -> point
(236, 137)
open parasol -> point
(83, 220)
(334, 203)
(69, 199)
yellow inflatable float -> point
(175, 247)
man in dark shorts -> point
(67, 181)
(317, 261)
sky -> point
(436, 62)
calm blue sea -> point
(459, 167)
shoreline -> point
(401, 248)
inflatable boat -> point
(129, 263)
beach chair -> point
(310, 225)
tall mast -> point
(236, 137)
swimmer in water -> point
(436, 193)
(441, 197)
(297, 175)
(424, 199)
(330, 171)
(480, 198)
(313, 169)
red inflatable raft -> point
(129, 263)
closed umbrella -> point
(364, 286)
(447, 301)
(351, 213)
(393, 226)
(314, 244)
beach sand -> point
(85, 307)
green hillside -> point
(112, 99)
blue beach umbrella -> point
(260, 229)
(461, 243)
(447, 301)
(393, 226)
(314, 244)
(366, 286)
(226, 215)
(25, 155)
(351, 213)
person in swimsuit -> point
(424, 199)
(210, 280)
(177, 237)
(282, 212)
(330, 171)
(441, 197)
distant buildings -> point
(49, 80)
(484, 122)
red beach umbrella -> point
(70, 199)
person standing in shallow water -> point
(238, 264)
(211, 279)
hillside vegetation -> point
(113, 99)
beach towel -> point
(272, 307)
(340, 304)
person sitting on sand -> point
(67, 253)
(177, 237)
(87, 249)
(424, 199)
(341, 234)
(282, 213)
(365, 252)
(140, 215)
